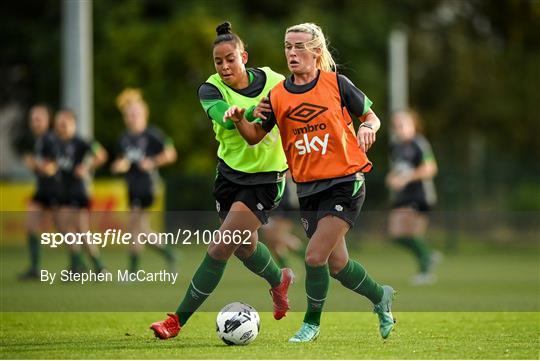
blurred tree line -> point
(473, 68)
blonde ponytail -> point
(130, 95)
(325, 61)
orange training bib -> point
(317, 133)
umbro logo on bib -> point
(306, 112)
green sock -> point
(317, 282)
(166, 252)
(98, 264)
(419, 248)
(204, 281)
(133, 262)
(77, 261)
(33, 245)
(354, 277)
(281, 261)
(72, 261)
(262, 263)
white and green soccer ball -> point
(238, 324)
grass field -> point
(487, 303)
(436, 335)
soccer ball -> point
(238, 324)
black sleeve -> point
(86, 147)
(270, 121)
(27, 145)
(351, 96)
(424, 151)
(418, 156)
(391, 152)
(122, 145)
(47, 151)
(156, 142)
(209, 91)
(82, 149)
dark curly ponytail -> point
(225, 34)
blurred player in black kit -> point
(40, 160)
(142, 150)
(410, 180)
(76, 158)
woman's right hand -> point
(396, 182)
(261, 108)
(29, 162)
(120, 165)
(234, 113)
(48, 168)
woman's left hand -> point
(397, 182)
(82, 171)
(147, 164)
(262, 108)
(366, 137)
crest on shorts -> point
(305, 223)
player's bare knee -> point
(315, 259)
(336, 265)
(221, 251)
(244, 251)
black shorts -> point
(419, 205)
(260, 198)
(45, 198)
(140, 198)
(344, 200)
(75, 198)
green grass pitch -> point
(434, 335)
(464, 316)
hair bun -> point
(224, 28)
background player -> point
(278, 233)
(76, 159)
(410, 180)
(143, 149)
(40, 161)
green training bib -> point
(268, 155)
